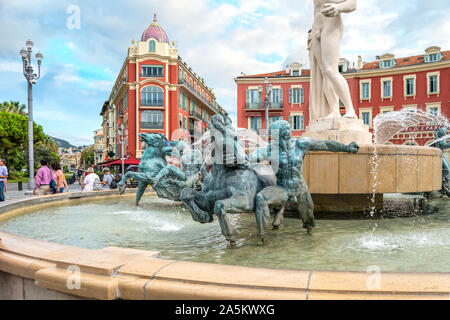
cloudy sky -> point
(218, 38)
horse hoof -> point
(232, 243)
(276, 227)
(308, 230)
(263, 239)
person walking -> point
(3, 177)
(91, 181)
(43, 178)
(58, 176)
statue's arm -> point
(325, 145)
(258, 155)
(333, 8)
(347, 6)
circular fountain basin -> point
(157, 251)
(342, 182)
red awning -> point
(128, 161)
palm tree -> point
(13, 107)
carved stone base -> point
(339, 129)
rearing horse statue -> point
(228, 188)
(152, 162)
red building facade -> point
(419, 82)
(156, 91)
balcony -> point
(196, 115)
(152, 103)
(260, 106)
(152, 125)
(199, 97)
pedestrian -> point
(3, 177)
(44, 177)
(91, 181)
(58, 176)
(80, 175)
(108, 179)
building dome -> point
(155, 31)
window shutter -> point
(291, 121)
(281, 95)
(302, 93)
(290, 95)
(427, 58)
(247, 97)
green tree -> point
(87, 156)
(14, 137)
(13, 107)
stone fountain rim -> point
(119, 273)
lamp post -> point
(31, 77)
(267, 103)
(123, 134)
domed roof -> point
(155, 31)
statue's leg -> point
(305, 208)
(335, 86)
(272, 196)
(140, 191)
(197, 205)
(122, 183)
(236, 204)
(139, 176)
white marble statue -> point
(327, 84)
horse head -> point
(156, 145)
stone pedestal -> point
(339, 129)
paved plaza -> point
(13, 193)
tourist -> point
(3, 177)
(58, 176)
(43, 178)
(80, 175)
(91, 181)
(108, 179)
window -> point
(255, 123)
(366, 118)
(409, 87)
(298, 122)
(296, 73)
(152, 46)
(276, 96)
(296, 95)
(152, 119)
(180, 117)
(151, 96)
(387, 63)
(254, 96)
(365, 90)
(434, 84)
(274, 118)
(152, 71)
(387, 89)
(433, 57)
(434, 111)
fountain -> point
(100, 245)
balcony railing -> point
(195, 115)
(152, 125)
(260, 106)
(188, 86)
(152, 103)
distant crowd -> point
(50, 179)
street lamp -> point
(31, 77)
(267, 103)
(123, 135)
